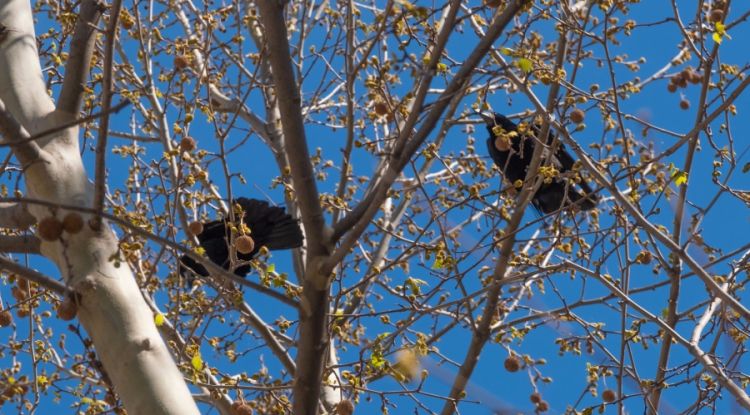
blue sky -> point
(494, 388)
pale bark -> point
(111, 307)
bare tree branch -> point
(313, 336)
(15, 216)
(26, 151)
(79, 59)
(101, 145)
(21, 244)
(33, 276)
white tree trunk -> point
(111, 307)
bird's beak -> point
(488, 117)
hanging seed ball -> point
(512, 364)
(535, 397)
(681, 81)
(380, 108)
(684, 104)
(695, 77)
(244, 244)
(18, 294)
(671, 87)
(241, 408)
(493, 3)
(645, 257)
(187, 144)
(195, 228)
(577, 116)
(609, 396)
(345, 407)
(502, 144)
(690, 75)
(23, 312)
(6, 319)
(543, 406)
(67, 309)
(181, 62)
(72, 223)
(716, 15)
(50, 228)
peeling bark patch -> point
(85, 285)
(146, 344)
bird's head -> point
(498, 126)
(494, 120)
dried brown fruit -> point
(671, 87)
(681, 81)
(577, 116)
(695, 78)
(244, 244)
(345, 407)
(181, 62)
(187, 144)
(493, 3)
(5, 318)
(716, 15)
(50, 228)
(18, 293)
(684, 104)
(72, 223)
(535, 397)
(609, 396)
(502, 144)
(241, 408)
(512, 364)
(543, 406)
(67, 309)
(195, 228)
(380, 108)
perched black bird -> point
(270, 226)
(512, 154)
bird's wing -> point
(213, 230)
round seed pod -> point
(577, 115)
(512, 364)
(244, 244)
(50, 228)
(72, 223)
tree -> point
(418, 260)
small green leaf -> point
(680, 178)
(197, 362)
(271, 268)
(438, 264)
(159, 320)
(377, 360)
(746, 167)
(524, 65)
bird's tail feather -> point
(285, 232)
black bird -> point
(556, 192)
(270, 226)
